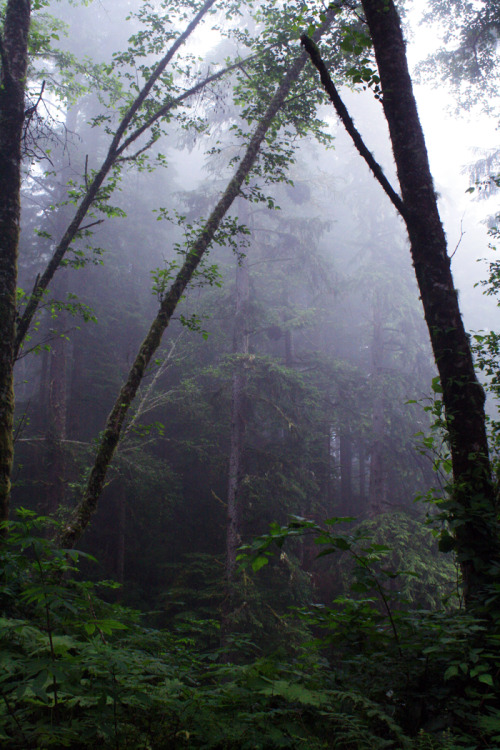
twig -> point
(31, 110)
(460, 238)
(93, 224)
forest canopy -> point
(248, 447)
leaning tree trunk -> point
(14, 58)
(473, 514)
(80, 519)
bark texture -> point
(348, 122)
(473, 510)
(109, 441)
(240, 347)
(473, 513)
(378, 474)
(14, 59)
(345, 449)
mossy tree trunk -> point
(473, 513)
(80, 519)
(239, 349)
(378, 471)
(13, 60)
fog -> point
(249, 462)
(297, 370)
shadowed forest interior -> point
(248, 443)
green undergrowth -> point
(79, 672)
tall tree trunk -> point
(56, 415)
(239, 348)
(378, 477)
(111, 435)
(327, 470)
(362, 472)
(288, 335)
(121, 512)
(14, 59)
(345, 445)
(473, 516)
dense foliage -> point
(79, 672)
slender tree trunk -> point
(378, 478)
(111, 435)
(288, 335)
(239, 348)
(14, 58)
(362, 472)
(74, 417)
(345, 443)
(474, 515)
(56, 418)
(329, 469)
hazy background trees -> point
(335, 347)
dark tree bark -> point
(240, 347)
(473, 512)
(56, 423)
(329, 470)
(378, 474)
(14, 60)
(121, 513)
(474, 515)
(237, 437)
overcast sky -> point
(454, 141)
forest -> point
(249, 437)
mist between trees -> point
(242, 383)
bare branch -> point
(94, 224)
(348, 123)
(462, 233)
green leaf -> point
(486, 678)
(259, 563)
(451, 672)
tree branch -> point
(93, 188)
(348, 123)
(82, 514)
